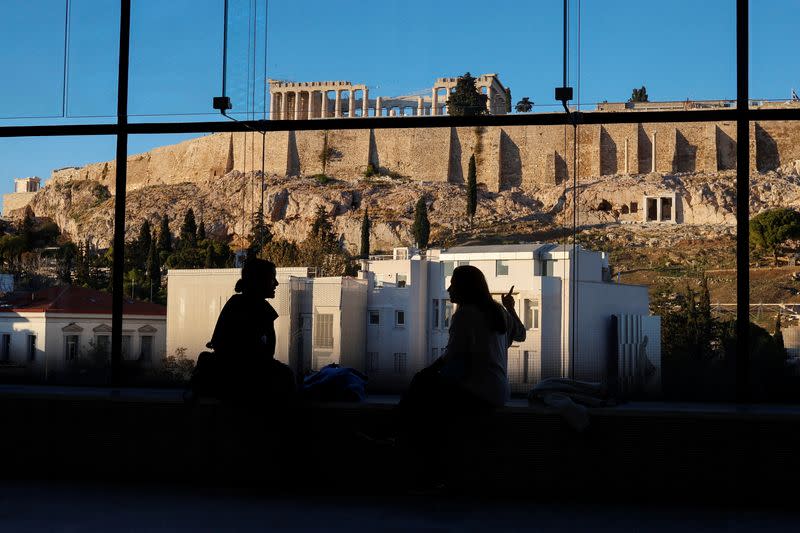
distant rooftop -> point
(69, 299)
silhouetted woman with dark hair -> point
(471, 375)
(244, 340)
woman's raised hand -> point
(508, 300)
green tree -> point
(165, 236)
(466, 100)
(201, 231)
(11, 249)
(260, 233)
(142, 245)
(68, 256)
(321, 225)
(27, 228)
(282, 252)
(153, 269)
(365, 226)
(524, 106)
(188, 237)
(209, 256)
(639, 95)
(472, 188)
(769, 230)
(421, 230)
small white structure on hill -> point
(393, 320)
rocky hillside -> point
(83, 208)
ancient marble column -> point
(338, 105)
(378, 106)
(658, 208)
(420, 106)
(351, 105)
(435, 101)
(323, 105)
(653, 165)
(365, 102)
(273, 105)
(489, 100)
(297, 105)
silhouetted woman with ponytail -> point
(471, 375)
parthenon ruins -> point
(312, 99)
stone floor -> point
(41, 506)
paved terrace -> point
(634, 453)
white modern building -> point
(46, 331)
(393, 320)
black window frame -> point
(742, 115)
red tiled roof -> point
(73, 300)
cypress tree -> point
(153, 269)
(143, 245)
(365, 225)
(201, 231)
(164, 236)
(466, 100)
(188, 230)
(472, 188)
(422, 227)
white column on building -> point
(364, 102)
(323, 105)
(489, 94)
(658, 208)
(338, 105)
(285, 105)
(420, 106)
(273, 104)
(434, 101)
(626, 157)
(378, 106)
(653, 165)
(351, 106)
(297, 105)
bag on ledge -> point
(334, 383)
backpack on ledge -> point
(334, 383)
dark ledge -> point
(632, 451)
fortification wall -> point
(16, 200)
(518, 156)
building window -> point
(31, 347)
(71, 347)
(323, 331)
(448, 313)
(400, 362)
(501, 268)
(399, 318)
(402, 280)
(634, 207)
(126, 347)
(435, 314)
(146, 352)
(5, 349)
(374, 318)
(372, 361)
(530, 314)
(103, 344)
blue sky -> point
(679, 49)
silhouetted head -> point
(258, 279)
(468, 287)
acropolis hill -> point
(526, 171)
